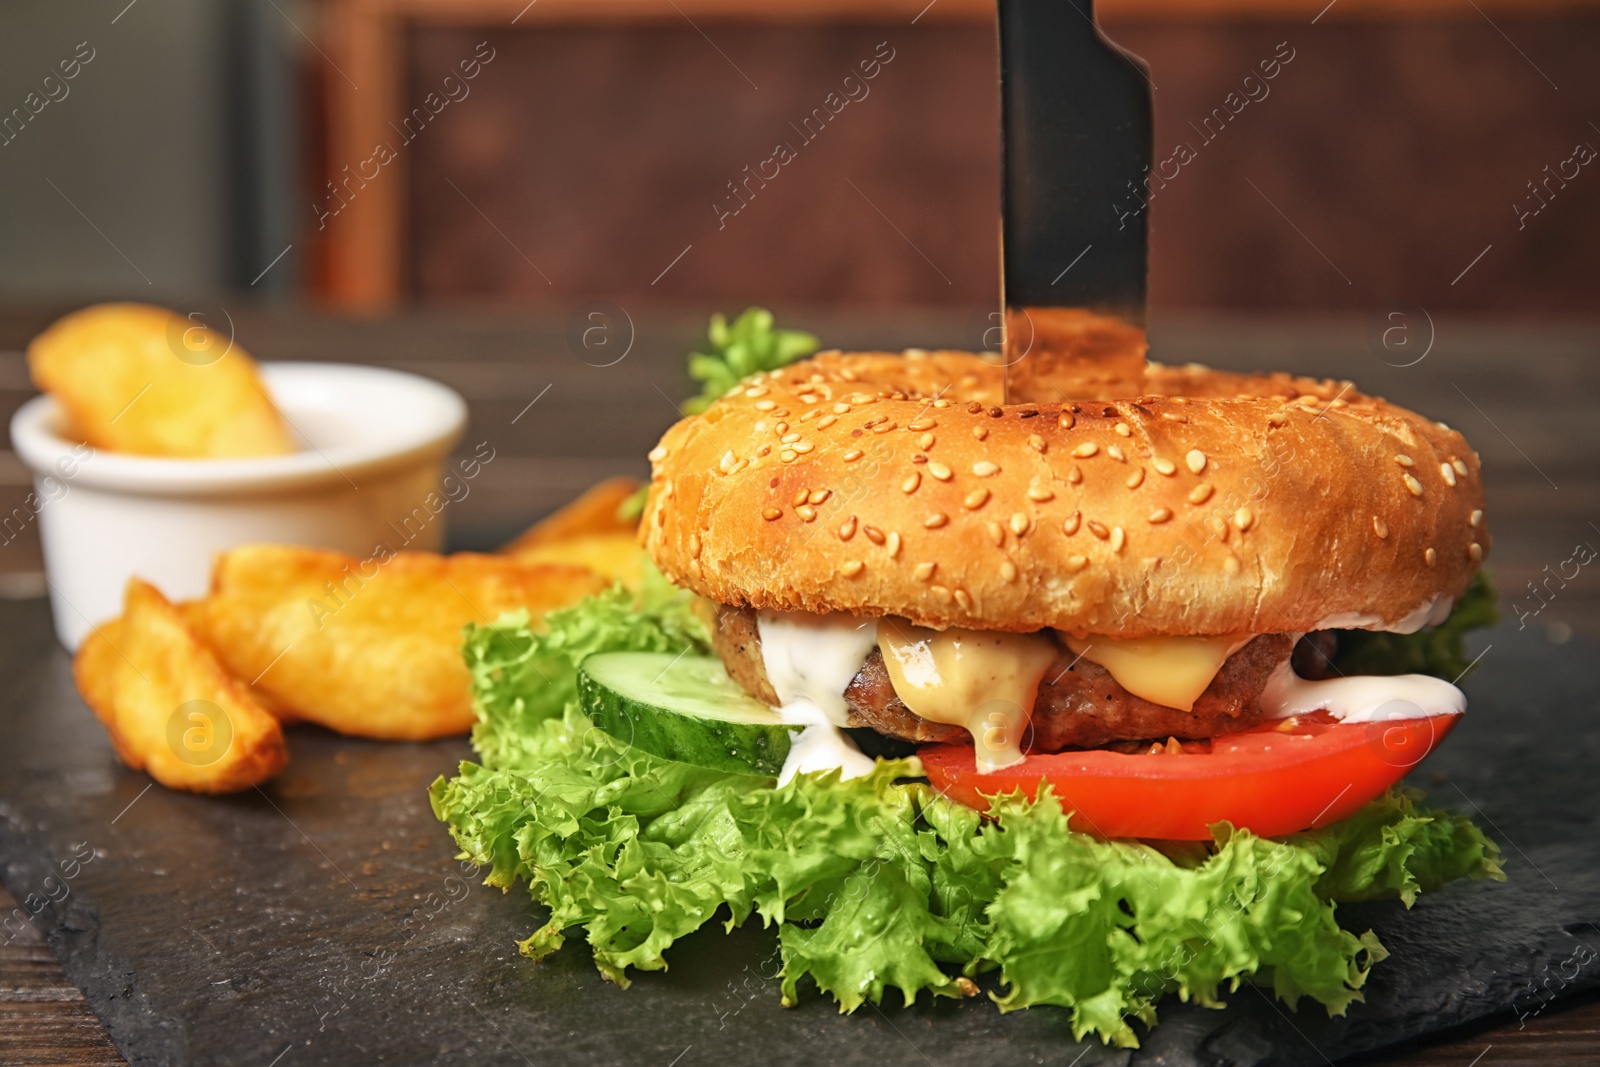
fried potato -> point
(595, 512)
(169, 706)
(616, 556)
(370, 647)
(144, 380)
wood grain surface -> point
(1524, 394)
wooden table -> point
(558, 420)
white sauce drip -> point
(810, 661)
(1430, 612)
(1360, 698)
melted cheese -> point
(810, 660)
(1170, 671)
(1361, 698)
(983, 680)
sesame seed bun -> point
(1220, 503)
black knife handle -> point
(1077, 123)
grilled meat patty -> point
(1079, 705)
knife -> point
(1077, 134)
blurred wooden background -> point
(1383, 158)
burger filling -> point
(1043, 692)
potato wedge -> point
(144, 380)
(616, 556)
(370, 647)
(169, 706)
(594, 512)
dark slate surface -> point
(324, 920)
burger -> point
(1080, 704)
(1055, 592)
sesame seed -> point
(847, 529)
(883, 427)
(657, 454)
(820, 496)
(894, 545)
(1123, 430)
(924, 571)
(942, 593)
(1404, 460)
(874, 534)
(808, 416)
(1074, 476)
(806, 512)
(695, 568)
(964, 600)
(1195, 461)
(1065, 421)
(1040, 494)
(801, 496)
(1475, 550)
(726, 461)
(755, 391)
(921, 424)
(761, 425)
(1164, 466)
(851, 567)
(1020, 524)
(913, 480)
(765, 405)
(1008, 570)
(1412, 484)
(1230, 566)
(803, 447)
(1037, 443)
(841, 408)
(1160, 515)
(976, 499)
(1099, 529)
(853, 455)
(1171, 417)
(983, 469)
(1431, 557)
(1076, 563)
(939, 471)
(919, 458)
(925, 442)
(1475, 518)
(1277, 418)
(1380, 528)
(1118, 539)
(1136, 479)
(980, 432)
(694, 546)
(936, 520)
(1116, 453)
(1200, 493)
(1070, 527)
(997, 534)
(995, 413)
(1244, 518)
(738, 466)
(826, 421)
(788, 455)
(781, 428)
(773, 513)
(1461, 468)
(1448, 473)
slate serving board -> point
(325, 921)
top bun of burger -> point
(1219, 503)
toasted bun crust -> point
(1221, 503)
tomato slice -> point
(1272, 779)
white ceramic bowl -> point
(372, 445)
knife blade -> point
(1076, 124)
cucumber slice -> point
(683, 708)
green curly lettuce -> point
(1436, 650)
(879, 883)
(736, 350)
